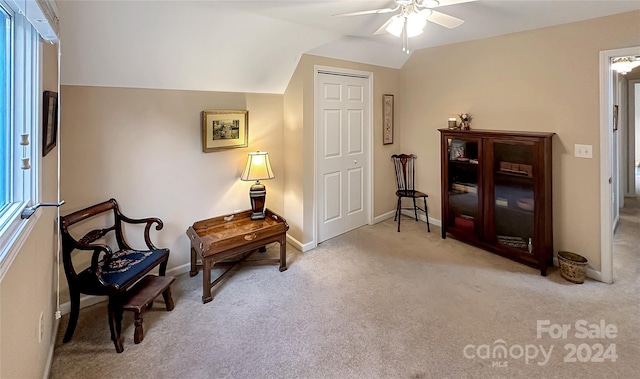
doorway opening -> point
(610, 158)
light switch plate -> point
(583, 151)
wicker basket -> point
(573, 267)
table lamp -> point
(258, 168)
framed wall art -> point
(387, 119)
(49, 121)
(224, 130)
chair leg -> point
(395, 218)
(426, 214)
(163, 267)
(73, 314)
(399, 211)
(415, 208)
(162, 271)
(115, 325)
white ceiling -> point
(254, 46)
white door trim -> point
(318, 69)
(631, 139)
(606, 133)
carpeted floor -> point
(374, 303)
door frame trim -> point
(631, 139)
(317, 70)
(606, 134)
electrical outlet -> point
(41, 327)
(583, 151)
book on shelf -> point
(464, 187)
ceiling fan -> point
(412, 18)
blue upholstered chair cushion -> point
(128, 264)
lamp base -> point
(258, 196)
(258, 216)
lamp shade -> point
(414, 22)
(258, 167)
(396, 25)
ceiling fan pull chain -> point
(407, 43)
(405, 37)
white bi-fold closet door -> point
(343, 159)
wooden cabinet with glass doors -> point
(496, 192)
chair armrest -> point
(148, 221)
(95, 258)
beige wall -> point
(299, 118)
(540, 80)
(28, 288)
(143, 148)
(294, 170)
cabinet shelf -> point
(491, 190)
(513, 209)
(465, 162)
(522, 175)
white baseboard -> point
(422, 217)
(383, 217)
(85, 301)
(299, 245)
(593, 274)
(390, 214)
(182, 269)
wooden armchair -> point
(111, 273)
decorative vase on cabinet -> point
(497, 192)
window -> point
(19, 115)
(5, 104)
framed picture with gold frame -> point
(387, 119)
(224, 129)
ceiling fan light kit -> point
(413, 18)
(414, 25)
(623, 65)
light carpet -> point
(374, 303)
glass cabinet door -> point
(464, 192)
(513, 198)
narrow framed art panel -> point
(49, 121)
(224, 130)
(387, 119)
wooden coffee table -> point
(233, 236)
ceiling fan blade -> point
(443, 19)
(373, 11)
(441, 3)
(383, 28)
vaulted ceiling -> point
(254, 46)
